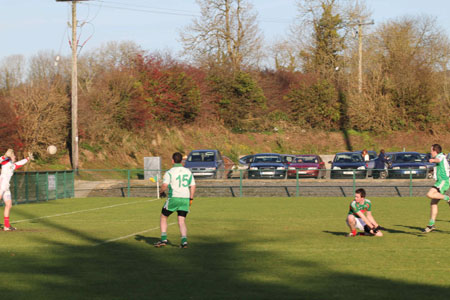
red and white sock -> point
(7, 222)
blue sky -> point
(30, 26)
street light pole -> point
(360, 52)
(74, 90)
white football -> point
(51, 149)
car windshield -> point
(288, 159)
(267, 159)
(425, 157)
(348, 158)
(307, 159)
(372, 155)
(407, 158)
(201, 156)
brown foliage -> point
(9, 137)
(42, 113)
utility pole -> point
(74, 90)
(360, 48)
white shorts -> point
(6, 195)
(359, 223)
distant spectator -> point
(365, 155)
(380, 161)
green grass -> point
(240, 248)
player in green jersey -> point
(360, 216)
(180, 184)
(437, 192)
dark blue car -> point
(406, 165)
(345, 164)
(206, 163)
(430, 166)
(267, 165)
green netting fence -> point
(42, 186)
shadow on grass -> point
(419, 230)
(338, 233)
(211, 269)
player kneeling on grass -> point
(360, 216)
(9, 165)
(181, 186)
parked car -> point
(430, 166)
(307, 166)
(288, 159)
(406, 164)
(267, 165)
(242, 166)
(345, 164)
(229, 165)
(206, 163)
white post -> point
(157, 186)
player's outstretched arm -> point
(21, 163)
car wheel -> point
(383, 175)
(430, 176)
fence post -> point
(73, 184)
(15, 188)
(37, 186)
(56, 184)
(410, 182)
(240, 182)
(297, 192)
(354, 182)
(26, 187)
(64, 184)
(128, 187)
(46, 186)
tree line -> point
(228, 76)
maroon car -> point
(308, 165)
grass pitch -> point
(240, 248)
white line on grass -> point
(130, 235)
(81, 211)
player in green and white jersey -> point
(180, 184)
(360, 216)
(437, 192)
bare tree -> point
(226, 33)
(285, 56)
(11, 72)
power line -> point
(165, 11)
(142, 10)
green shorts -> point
(176, 204)
(442, 185)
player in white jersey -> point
(437, 192)
(180, 184)
(9, 165)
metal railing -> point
(131, 183)
(28, 187)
